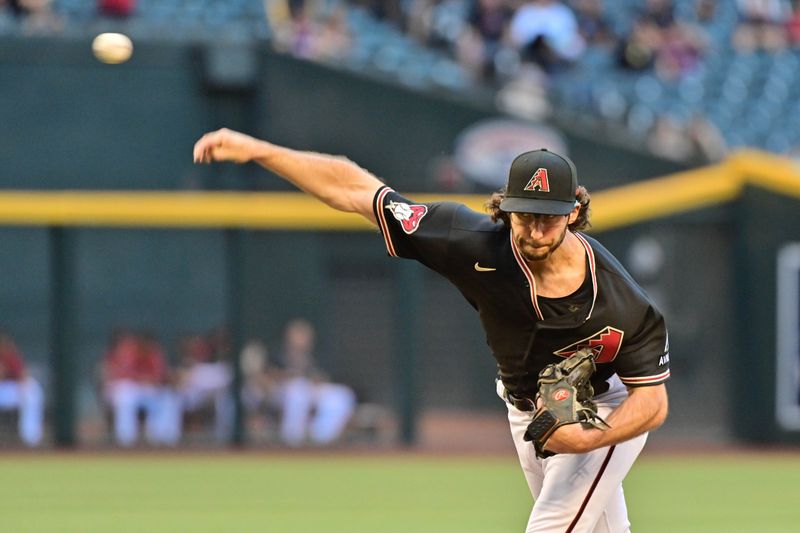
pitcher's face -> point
(538, 236)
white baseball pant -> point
(26, 396)
(162, 412)
(577, 493)
(317, 410)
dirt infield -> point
(439, 433)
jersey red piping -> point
(387, 237)
(532, 282)
(590, 254)
(591, 489)
(646, 379)
(528, 274)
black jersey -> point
(610, 313)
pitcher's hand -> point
(225, 145)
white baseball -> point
(112, 48)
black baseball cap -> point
(541, 182)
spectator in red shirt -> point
(116, 8)
(136, 378)
(19, 391)
(204, 379)
(793, 24)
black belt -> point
(523, 404)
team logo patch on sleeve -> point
(409, 216)
(605, 344)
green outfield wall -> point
(768, 223)
(77, 267)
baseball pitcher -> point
(582, 353)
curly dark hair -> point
(581, 195)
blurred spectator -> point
(658, 12)
(793, 24)
(657, 40)
(116, 8)
(203, 381)
(483, 37)
(36, 16)
(261, 382)
(708, 143)
(705, 11)
(526, 95)
(681, 51)
(290, 26)
(696, 141)
(638, 50)
(21, 392)
(762, 25)
(546, 33)
(667, 138)
(418, 19)
(386, 10)
(310, 29)
(136, 379)
(593, 24)
(436, 23)
(333, 40)
(312, 407)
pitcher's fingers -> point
(200, 148)
(204, 149)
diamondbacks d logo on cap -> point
(539, 181)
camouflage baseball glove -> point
(565, 397)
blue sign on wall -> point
(787, 404)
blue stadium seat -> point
(750, 97)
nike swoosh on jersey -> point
(479, 268)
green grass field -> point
(374, 493)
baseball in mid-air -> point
(112, 48)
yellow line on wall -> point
(612, 208)
(768, 171)
(174, 209)
(661, 197)
(279, 211)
